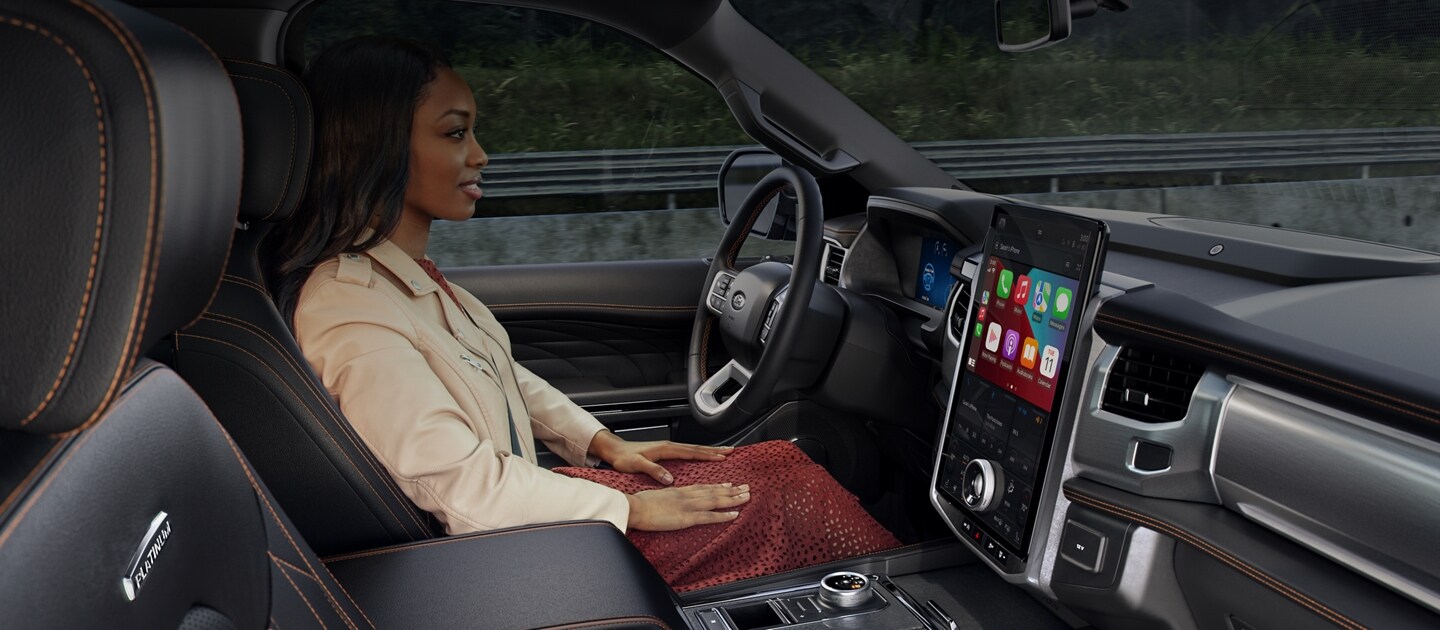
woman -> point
(425, 374)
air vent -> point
(1150, 386)
(960, 308)
(834, 257)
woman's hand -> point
(669, 509)
(640, 457)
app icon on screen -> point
(1063, 298)
(979, 329)
(980, 316)
(1049, 361)
(1030, 353)
(1012, 344)
(1002, 288)
(1041, 303)
(1022, 289)
(992, 337)
(985, 296)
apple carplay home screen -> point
(1027, 303)
(1021, 320)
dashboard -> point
(1239, 448)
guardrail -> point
(634, 171)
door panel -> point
(611, 335)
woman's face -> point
(445, 158)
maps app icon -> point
(1041, 303)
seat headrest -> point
(278, 127)
(120, 181)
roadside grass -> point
(557, 98)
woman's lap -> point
(797, 516)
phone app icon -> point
(1049, 361)
(1029, 353)
(1063, 299)
(992, 337)
(1041, 303)
(979, 329)
(1022, 289)
(1012, 344)
(1002, 288)
(980, 316)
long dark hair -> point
(364, 92)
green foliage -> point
(546, 82)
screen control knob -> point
(979, 487)
(845, 589)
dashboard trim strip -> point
(1286, 370)
(1219, 554)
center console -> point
(843, 599)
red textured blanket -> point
(797, 516)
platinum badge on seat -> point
(145, 556)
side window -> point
(600, 148)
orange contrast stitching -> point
(289, 166)
(754, 214)
(340, 423)
(145, 284)
(296, 396)
(99, 217)
(304, 95)
(322, 585)
(1257, 361)
(59, 466)
(453, 539)
(705, 348)
(24, 483)
(245, 282)
(295, 586)
(364, 453)
(235, 449)
(1219, 554)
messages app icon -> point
(1002, 289)
(1063, 299)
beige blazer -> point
(427, 390)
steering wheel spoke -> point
(719, 391)
(719, 292)
(746, 310)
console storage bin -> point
(559, 574)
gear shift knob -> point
(845, 589)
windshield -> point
(1321, 115)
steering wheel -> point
(758, 312)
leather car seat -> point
(123, 502)
(243, 359)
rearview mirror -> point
(1022, 25)
(743, 169)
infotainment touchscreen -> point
(1036, 277)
